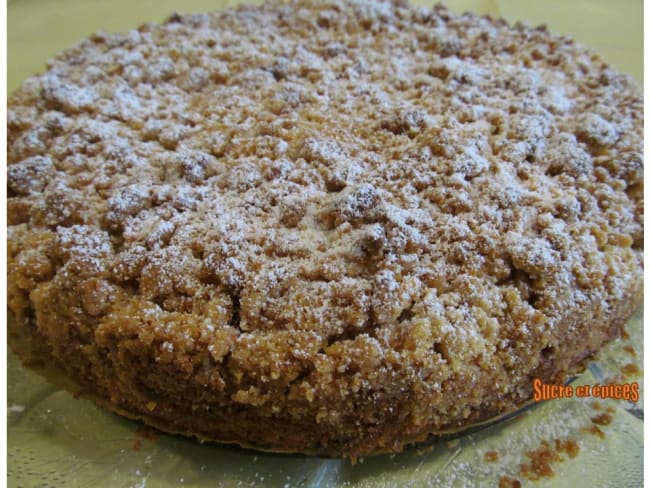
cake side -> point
(179, 412)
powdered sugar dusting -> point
(327, 208)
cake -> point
(332, 228)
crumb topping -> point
(388, 206)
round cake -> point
(331, 228)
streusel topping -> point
(401, 209)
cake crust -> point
(331, 228)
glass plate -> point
(56, 440)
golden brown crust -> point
(327, 228)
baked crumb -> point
(541, 460)
(570, 446)
(630, 350)
(491, 456)
(602, 419)
(595, 430)
(508, 482)
(630, 369)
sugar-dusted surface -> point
(351, 225)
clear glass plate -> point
(56, 440)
